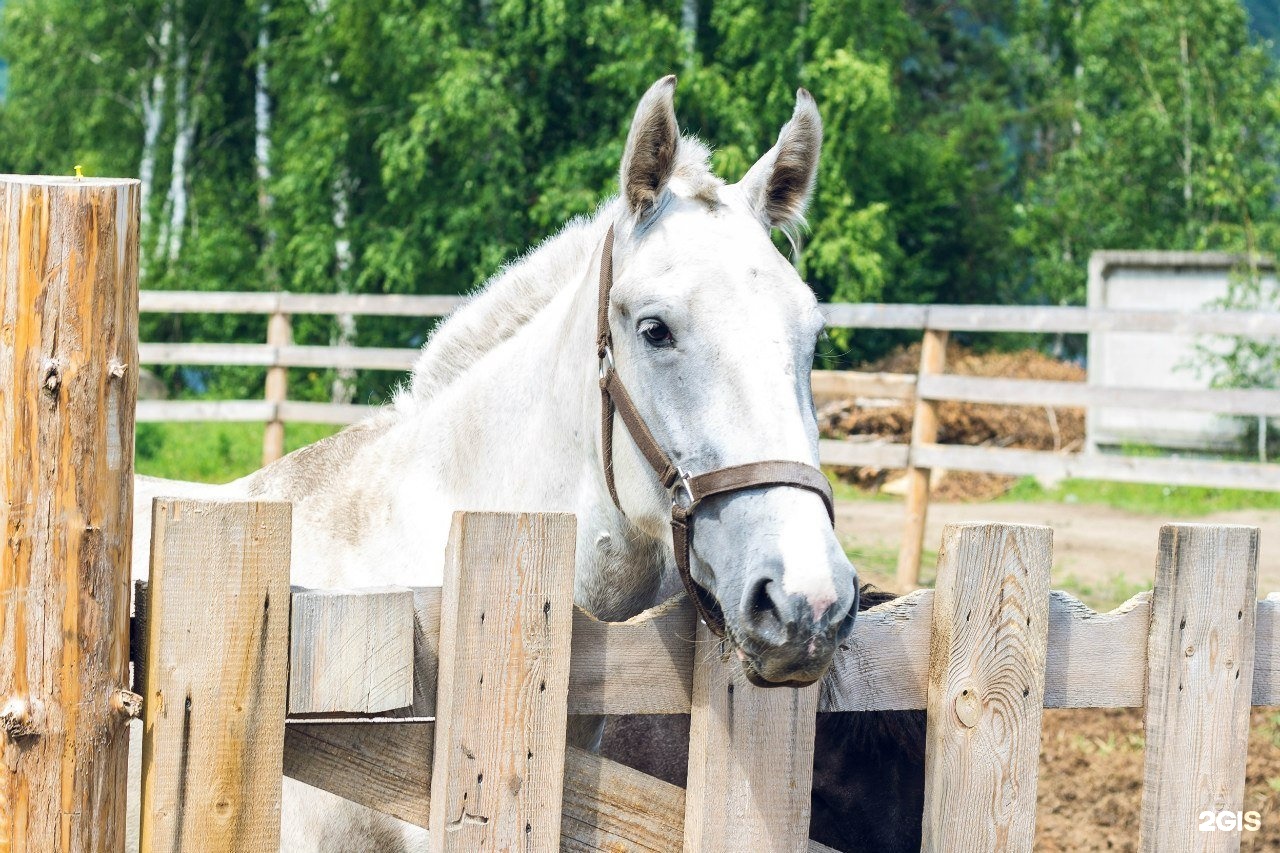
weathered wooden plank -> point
(1096, 660)
(294, 411)
(279, 355)
(384, 765)
(750, 758)
(986, 688)
(68, 383)
(244, 411)
(1266, 652)
(1123, 469)
(263, 302)
(1037, 392)
(641, 666)
(501, 702)
(854, 383)
(351, 650)
(877, 454)
(217, 664)
(1199, 683)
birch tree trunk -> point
(262, 147)
(154, 99)
(344, 384)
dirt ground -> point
(1091, 544)
(1091, 766)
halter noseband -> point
(692, 488)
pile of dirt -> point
(1043, 428)
(1089, 795)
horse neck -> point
(521, 432)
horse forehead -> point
(715, 260)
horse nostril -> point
(763, 613)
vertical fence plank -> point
(215, 681)
(1199, 684)
(750, 759)
(986, 688)
(506, 622)
(924, 430)
(279, 334)
(68, 387)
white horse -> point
(713, 333)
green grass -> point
(211, 452)
(1169, 501)
(878, 565)
(1102, 595)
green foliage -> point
(975, 151)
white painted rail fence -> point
(923, 390)
(983, 654)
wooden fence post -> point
(68, 388)
(750, 759)
(215, 681)
(506, 621)
(279, 334)
(924, 430)
(1199, 686)
(986, 688)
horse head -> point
(713, 333)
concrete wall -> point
(1157, 281)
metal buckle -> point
(606, 362)
(682, 483)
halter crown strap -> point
(753, 475)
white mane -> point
(523, 287)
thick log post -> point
(68, 388)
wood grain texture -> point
(68, 385)
(217, 664)
(750, 759)
(1266, 652)
(351, 650)
(501, 701)
(1199, 683)
(385, 765)
(986, 688)
(924, 430)
(641, 666)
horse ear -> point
(650, 154)
(779, 185)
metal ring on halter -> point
(682, 482)
(606, 359)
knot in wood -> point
(968, 706)
(17, 718)
(51, 378)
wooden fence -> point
(923, 390)
(447, 707)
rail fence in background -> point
(923, 390)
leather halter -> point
(687, 490)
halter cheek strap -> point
(687, 491)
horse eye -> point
(656, 332)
